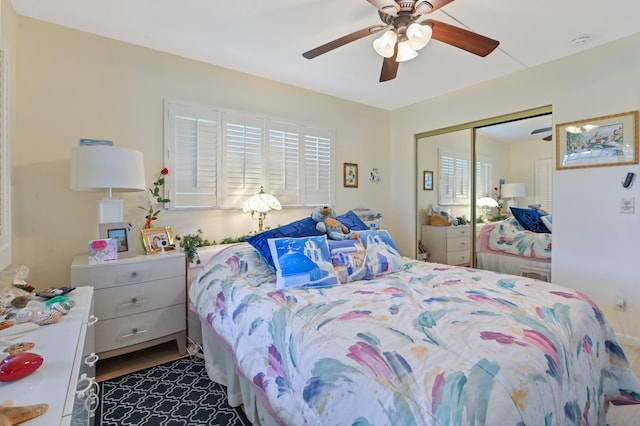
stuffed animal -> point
(327, 223)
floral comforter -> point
(430, 345)
(508, 236)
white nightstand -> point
(448, 244)
(141, 301)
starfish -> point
(11, 415)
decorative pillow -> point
(349, 260)
(546, 219)
(530, 220)
(302, 262)
(300, 228)
(382, 254)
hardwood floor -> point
(627, 415)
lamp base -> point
(512, 203)
(110, 210)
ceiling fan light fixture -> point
(419, 35)
(405, 51)
(385, 44)
(423, 6)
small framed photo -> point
(427, 180)
(158, 240)
(611, 140)
(121, 232)
(350, 175)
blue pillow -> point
(530, 220)
(382, 254)
(302, 262)
(300, 228)
(349, 260)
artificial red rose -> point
(164, 171)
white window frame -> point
(292, 161)
(454, 180)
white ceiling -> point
(267, 38)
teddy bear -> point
(326, 222)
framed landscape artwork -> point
(610, 140)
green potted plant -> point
(190, 243)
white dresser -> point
(448, 244)
(66, 348)
(141, 301)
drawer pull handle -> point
(134, 333)
(91, 360)
(462, 244)
(134, 301)
(134, 274)
(92, 320)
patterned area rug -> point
(177, 393)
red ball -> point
(18, 365)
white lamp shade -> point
(261, 203)
(419, 35)
(106, 167)
(405, 51)
(487, 202)
(513, 190)
(385, 44)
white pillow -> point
(546, 219)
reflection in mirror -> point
(514, 166)
(516, 152)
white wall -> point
(595, 247)
(74, 85)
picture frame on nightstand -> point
(158, 240)
(120, 231)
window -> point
(220, 159)
(484, 171)
(543, 183)
(454, 178)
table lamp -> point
(487, 203)
(107, 167)
(261, 203)
(511, 191)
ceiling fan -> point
(406, 30)
(543, 130)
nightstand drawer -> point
(132, 329)
(461, 257)
(119, 301)
(458, 243)
(128, 271)
(458, 232)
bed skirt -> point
(221, 368)
(507, 264)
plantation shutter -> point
(543, 184)
(242, 158)
(283, 146)
(454, 178)
(317, 157)
(193, 156)
(484, 173)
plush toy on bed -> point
(327, 223)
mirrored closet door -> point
(470, 175)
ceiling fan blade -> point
(356, 35)
(461, 38)
(547, 138)
(389, 7)
(389, 67)
(544, 129)
(424, 6)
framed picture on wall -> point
(611, 140)
(121, 232)
(350, 175)
(427, 180)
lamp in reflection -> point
(260, 204)
(486, 203)
(511, 191)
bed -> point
(506, 246)
(430, 344)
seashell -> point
(19, 365)
(49, 317)
(19, 347)
(26, 315)
(20, 301)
